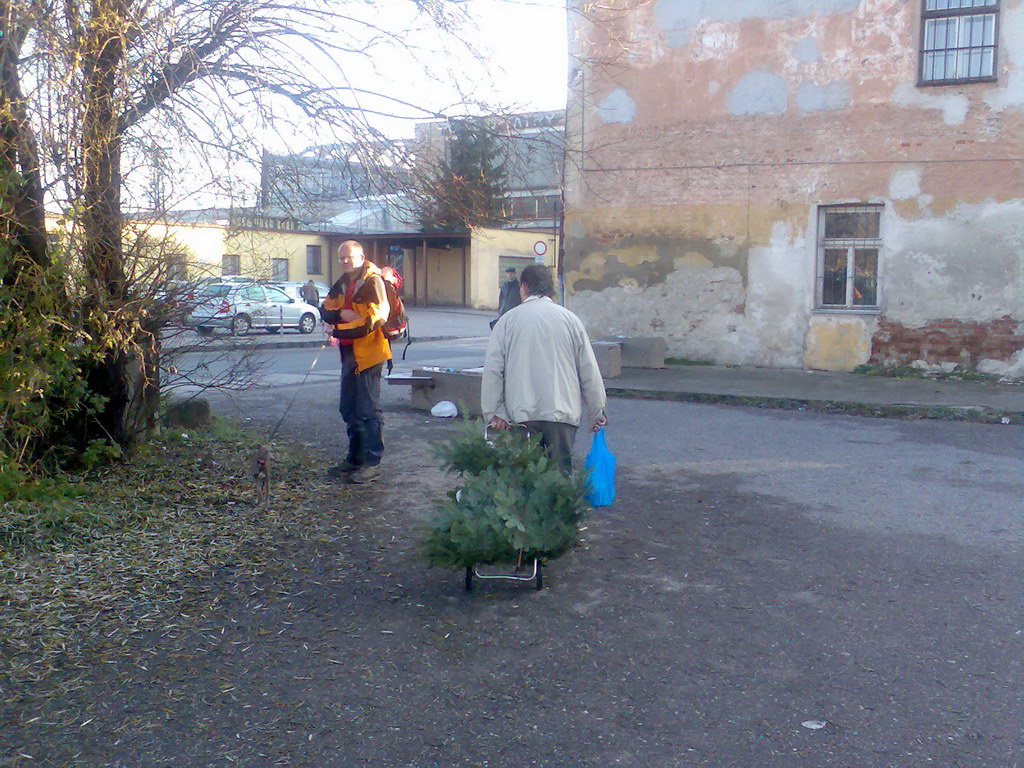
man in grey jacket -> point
(540, 372)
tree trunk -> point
(102, 247)
(23, 216)
(126, 374)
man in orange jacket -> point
(357, 307)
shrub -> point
(42, 390)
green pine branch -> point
(511, 501)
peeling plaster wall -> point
(837, 342)
(706, 135)
(678, 18)
(617, 107)
(968, 260)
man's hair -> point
(352, 244)
(537, 280)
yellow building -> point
(219, 249)
(458, 270)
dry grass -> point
(136, 550)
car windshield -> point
(214, 291)
(277, 295)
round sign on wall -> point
(540, 248)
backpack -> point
(398, 322)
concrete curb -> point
(244, 344)
(902, 410)
(421, 339)
(980, 413)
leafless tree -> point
(86, 84)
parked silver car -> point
(294, 289)
(242, 307)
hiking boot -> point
(365, 474)
(342, 469)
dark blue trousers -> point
(360, 408)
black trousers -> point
(360, 408)
(556, 439)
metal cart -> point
(520, 572)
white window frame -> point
(851, 246)
(963, 25)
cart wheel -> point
(469, 578)
(540, 578)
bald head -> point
(351, 255)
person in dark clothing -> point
(310, 294)
(509, 297)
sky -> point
(520, 64)
(520, 61)
(529, 58)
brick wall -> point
(947, 341)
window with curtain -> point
(849, 240)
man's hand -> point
(497, 422)
(349, 315)
(599, 422)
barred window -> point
(279, 270)
(849, 239)
(959, 41)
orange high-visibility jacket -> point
(371, 303)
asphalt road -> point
(770, 590)
(289, 366)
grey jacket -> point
(540, 367)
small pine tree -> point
(469, 186)
(513, 502)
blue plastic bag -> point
(601, 465)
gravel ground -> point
(705, 621)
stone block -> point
(460, 387)
(641, 351)
(609, 358)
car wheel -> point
(241, 325)
(204, 330)
(307, 323)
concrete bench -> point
(609, 358)
(432, 385)
(640, 351)
(408, 379)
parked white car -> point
(243, 307)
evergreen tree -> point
(468, 188)
(512, 504)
